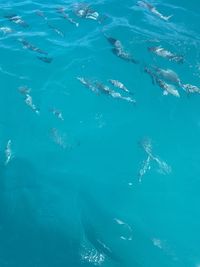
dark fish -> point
(46, 59)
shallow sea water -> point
(113, 183)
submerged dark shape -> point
(46, 59)
(92, 237)
(16, 19)
(31, 47)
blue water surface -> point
(75, 192)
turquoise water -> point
(114, 183)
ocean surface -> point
(95, 172)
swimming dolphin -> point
(124, 55)
(111, 40)
(168, 75)
(55, 29)
(151, 73)
(156, 80)
(57, 113)
(45, 59)
(17, 20)
(87, 83)
(31, 47)
(153, 10)
(119, 51)
(168, 88)
(66, 16)
(90, 214)
(28, 100)
(85, 11)
(8, 152)
(99, 245)
(98, 87)
(59, 138)
(103, 88)
(119, 85)
(24, 90)
(189, 88)
(41, 14)
(106, 90)
(6, 30)
(128, 232)
(162, 52)
(144, 168)
(146, 144)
